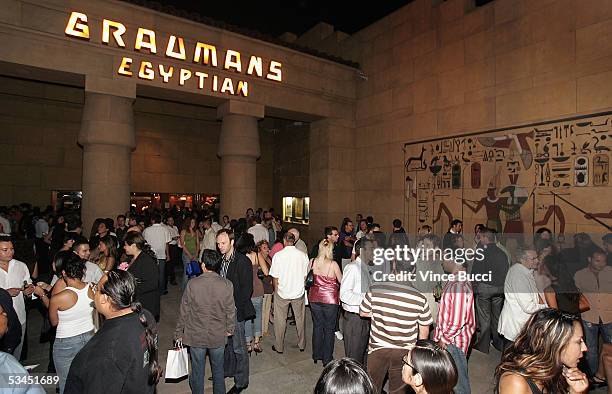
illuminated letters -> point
(227, 86)
(150, 44)
(146, 71)
(77, 26)
(230, 63)
(243, 88)
(274, 72)
(166, 75)
(177, 48)
(120, 29)
(184, 75)
(255, 63)
(124, 68)
(170, 52)
(201, 77)
(210, 54)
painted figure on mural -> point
(493, 206)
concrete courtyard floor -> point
(292, 372)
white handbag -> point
(177, 363)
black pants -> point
(174, 261)
(489, 304)
(323, 321)
(356, 336)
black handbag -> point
(229, 359)
(309, 282)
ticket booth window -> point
(296, 210)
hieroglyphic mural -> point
(514, 180)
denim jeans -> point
(161, 263)
(591, 336)
(463, 381)
(252, 328)
(198, 361)
(324, 322)
(64, 350)
(241, 378)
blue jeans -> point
(463, 381)
(254, 326)
(198, 361)
(64, 350)
(241, 378)
(591, 336)
(161, 264)
(324, 318)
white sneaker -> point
(339, 335)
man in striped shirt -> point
(456, 322)
(399, 316)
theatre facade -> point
(499, 114)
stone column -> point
(332, 174)
(108, 137)
(239, 151)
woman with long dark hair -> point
(344, 376)
(122, 356)
(544, 357)
(253, 328)
(190, 242)
(108, 253)
(429, 369)
(144, 268)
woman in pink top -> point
(324, 301)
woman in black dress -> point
(144, 268)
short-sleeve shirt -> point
(17, 274)
(290, 267)
(396, 311)
(157, 236)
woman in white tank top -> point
(71, 310)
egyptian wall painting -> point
(516, 180)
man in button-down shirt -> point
(355, 284)
(522, 296)
(595, 282)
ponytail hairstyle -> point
(121, 289)
(132, 237)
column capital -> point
(245, 108)
(111, 86)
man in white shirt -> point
(158, 236)
(355, 284)
(41, 227)
(299, 244)
(15, 278)
(209, 241)
(259, 231)
(215, 226)
(289, 269)
(522, 296)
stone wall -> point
(176, 145)
(452, 69)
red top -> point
(325, 290)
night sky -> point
(297, 16)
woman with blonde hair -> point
(263, 256)
(544, 357)
(324, 299)
(190, 242)
(108, 253)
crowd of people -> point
(543, 306)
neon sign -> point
(175, 48)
